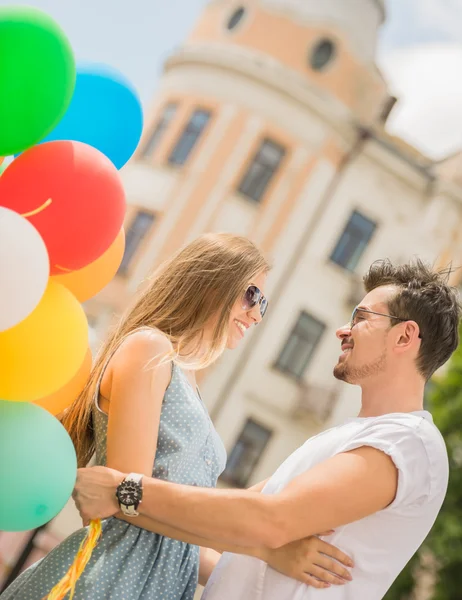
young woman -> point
(141, 412)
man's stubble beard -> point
(344, 372)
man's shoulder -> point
(415, 424)
(404, 433)
(416, 434)
(416, 446)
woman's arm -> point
(188, 538)
(138, 380)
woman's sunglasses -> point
(252, 297)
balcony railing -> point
(315, 402)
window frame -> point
(350, 265)
(315, 51)
(125, 271)
(294, 337)
(174, 158)
(243, 482)
(243, 10)
(159, 130)
(249, 178)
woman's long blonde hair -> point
(202, 281)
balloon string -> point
(69, 581)
(39, 209)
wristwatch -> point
(129, 494)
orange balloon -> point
(60, 400)
(2, 158)
(87, 282)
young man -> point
(379, 479)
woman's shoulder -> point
(141, 347)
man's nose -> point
(343, 332)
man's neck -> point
(392, 394)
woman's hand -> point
(311, 561)
(94, 493)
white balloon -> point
(24, 268)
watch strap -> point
(129, 511)
(136, 477)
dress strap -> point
(100, 379)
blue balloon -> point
(105, 112)
(38, 466)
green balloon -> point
(38, 466)
(37, 77)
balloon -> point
(87, 282)
(63, 398)
(24, 268)
(74, 197)
(105, 112)
(2, 158)
(38, 467)
(43, 352)
(37, 76)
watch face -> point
(129, 493)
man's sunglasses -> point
(354, 320)
(252, 297)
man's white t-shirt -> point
(380, 544)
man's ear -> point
(407, 334)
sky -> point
(419, 53)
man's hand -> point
(94, 493)
(311, 561)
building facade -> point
(269, 121)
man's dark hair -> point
(424, 296)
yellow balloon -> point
(87, 282)
(42, 353)
(58, 401)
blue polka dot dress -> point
(130, 563)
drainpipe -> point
(323, 206)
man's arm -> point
(348, 487)
(343, 489)
(208, 561)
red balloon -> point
(74, 197)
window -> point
(235, 18)
(246, 453)
(353, 241)
(159, 129)
(262, 169)
(300, 345)
(322, 54)
(189, 137)
(138, 229)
